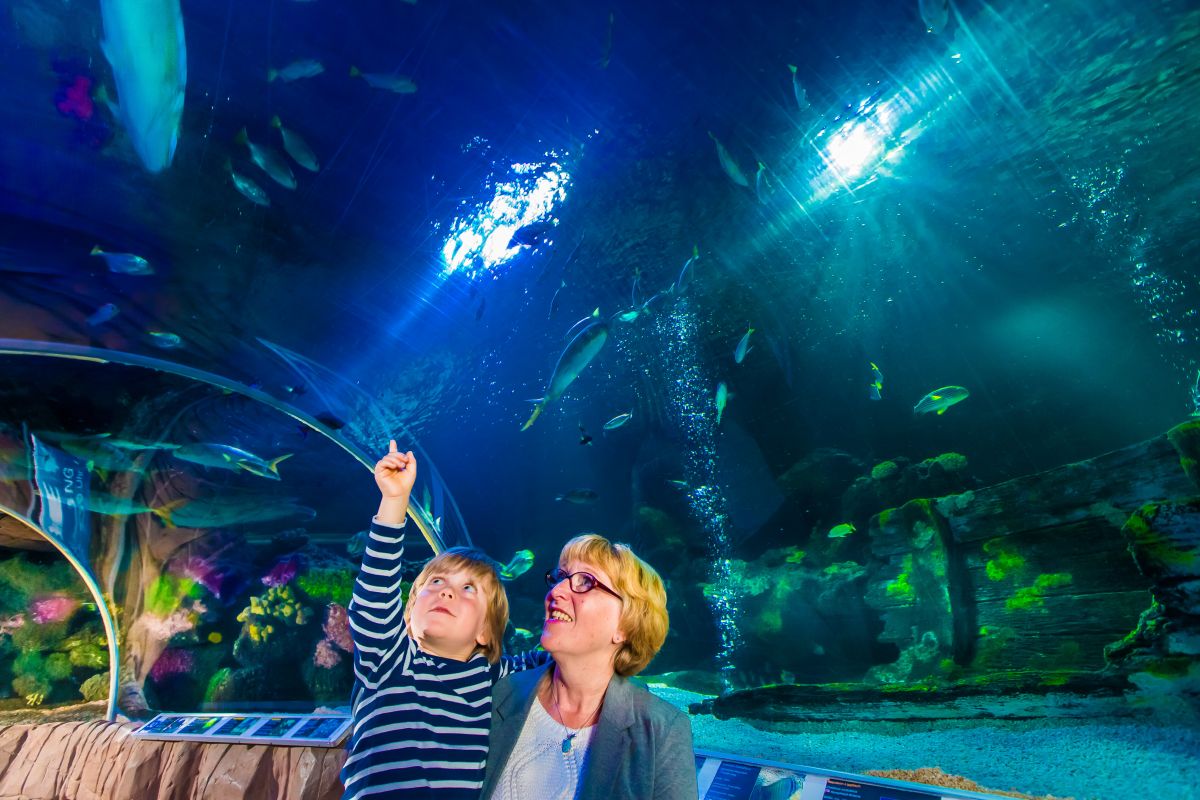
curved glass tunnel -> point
(872, 326)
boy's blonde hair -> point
(476, 564)
(644, 619)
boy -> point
(423, 676)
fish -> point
(554, 300)
(743, 346)
(99, 455)
(618, 421)
(224, 456)
(530, 235)
(295, 146)
(762, 184)
(144, 44)
(523, 635)
(940, 399)
(728, 164)
(303, 68)
(400, 84)
(628, 316)
(124, 263)
(798, 90)
(841, 531)
(110, 506)
(103, 314)
(479, 311)
(268, 160)
(679, 484)
(223, 511)
(165, 340)
(579, 497)
(584, 437)
(517, 566)
(688, 272)
(247, 187)
(875, 389)
(935, 14)
(577, 355)
(1196, 396)
(721, 399)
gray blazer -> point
(641, 748)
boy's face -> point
(449, 616)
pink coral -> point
(202, 571)
(11, 623)
(52, 608)
(337, 627)
(326, 655)
(172, 662)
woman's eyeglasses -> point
(580, 582)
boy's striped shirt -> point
(420, 721)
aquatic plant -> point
(95, 688)
(58, 666)
(901, 586)
(327, 585)
(1003, 562)
(22, 579)
(199, 570)
(167, 592)
(1030, 597)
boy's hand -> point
(396, 472)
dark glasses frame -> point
(556, 576)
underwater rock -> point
(894, 482)
(1083, 698)
(801, 618)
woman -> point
(577, 728)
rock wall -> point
(103, 761)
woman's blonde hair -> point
(476, 564)
(644, 618)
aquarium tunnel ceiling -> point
(585, 256)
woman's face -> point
(582, 624)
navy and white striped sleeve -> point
(531, 659)
(376, 613)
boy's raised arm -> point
(376, 613)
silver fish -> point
(304, 68)
(269, 161)
(247, 187)
(618, 421)
(728, 164)
(400, 84)
(124, 263)
(579, 353)
(224, 456)
(295, 146)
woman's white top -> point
(538, 767)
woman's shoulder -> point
(645, 703)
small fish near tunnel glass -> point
(580, 582)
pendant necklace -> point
(566, 745)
